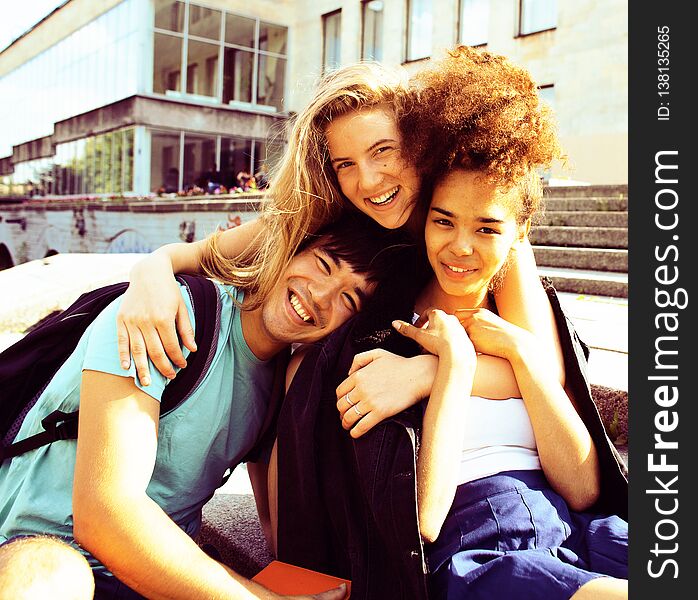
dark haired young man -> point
(129, 492)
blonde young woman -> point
(502, 482)
(344, 153)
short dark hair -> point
(368, 248)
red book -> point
(284, 578)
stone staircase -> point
(581, 241)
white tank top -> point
(498, 436)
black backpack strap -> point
(60, 425)
(207, 311)
(30, 363)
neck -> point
(434, 297)
(256, 335)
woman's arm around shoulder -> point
(152, 311)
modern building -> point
(132, 97)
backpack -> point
(28, 366)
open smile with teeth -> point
(458, 269)
(298, 307)
(384, 198)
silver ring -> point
(357, 411)
(346, 397)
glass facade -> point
(537, 15)
(187, 162)
(217, 55)
(197, 53)
(474, 22)
(419, 29)
(101, 164)
(92, 67)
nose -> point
(323, 293)
(461, 245)
(370, 178)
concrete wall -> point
(34, 230)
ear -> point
(524, 230)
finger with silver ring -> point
(346, 397)
(357, 411)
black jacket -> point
(349, 507)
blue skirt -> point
(511, 536)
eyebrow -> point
(339, 263)
(448, 213)
(369, 149)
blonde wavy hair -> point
(304, 192)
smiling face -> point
(470, 229)
(317, 293)
(364, 149)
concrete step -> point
(583, 281)
(587, 191)
(578, 218)
(552, 204)
(584, 237)
(597, 259)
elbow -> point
(91, 519)
(583, 501)
(86, 523)
(430, 527)
(586, 495)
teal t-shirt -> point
(197, 442)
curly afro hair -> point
(476, 110)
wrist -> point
(463, 363)
(425, 366)
(523, 349)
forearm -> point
(567, 452)
(145, 549)
(441, 446)
(170, 259)
(494, 377)
(521, 300)
(184, 257)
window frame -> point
(222, 44)
(364, 8)
(325, 18)
(459, 32)
(408, 14)
(519, 22)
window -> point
(238, 75)
(236, 157)
(546, 93)
(164, 162)
(270, 80)
(372, 33)
(332, 41)
(240, 30)
(474, 22)
(253, 53)
(202, 68)
(169, 15)
(537, 15)
(199, 162)
(419, 29)
(205, 22)
(167, 61)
